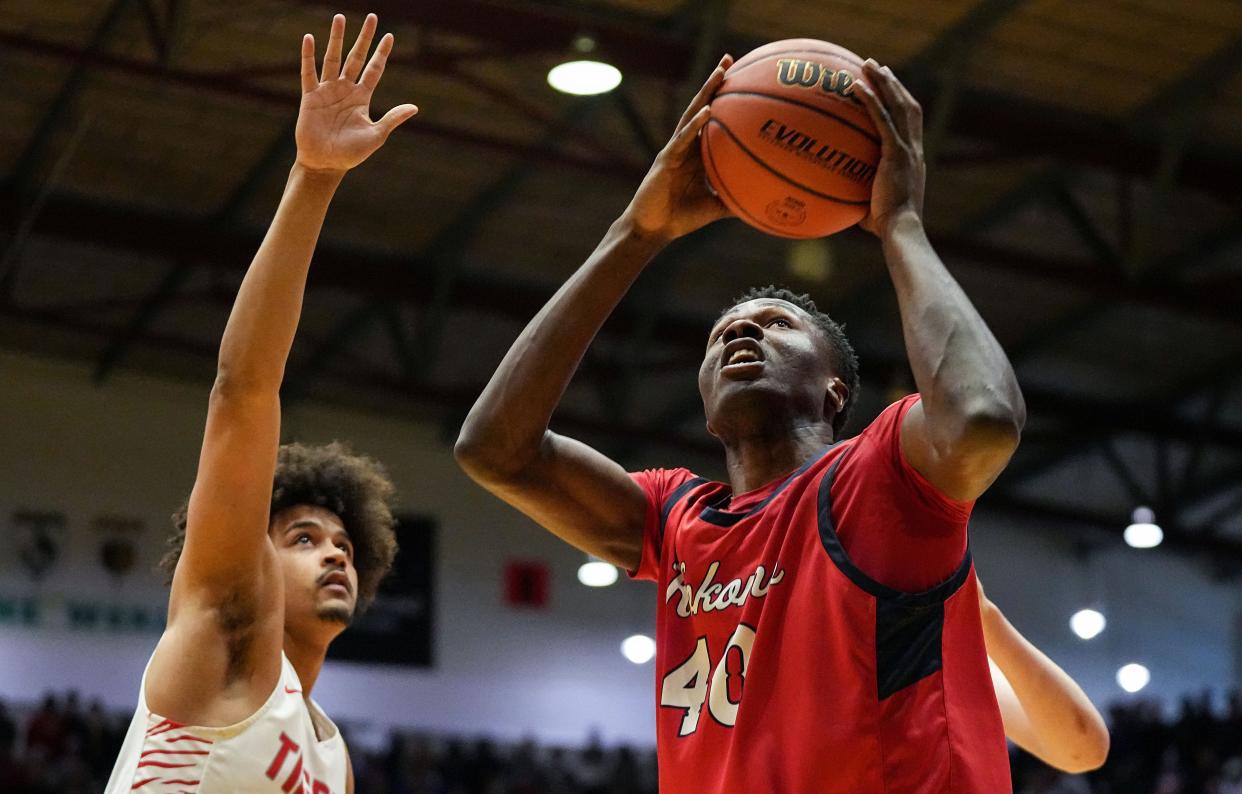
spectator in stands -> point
(1198, 752)
(46, 732)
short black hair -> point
(844, 359)
(354, 487)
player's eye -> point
(781, 321)
(304, 537)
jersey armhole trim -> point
(832, 544)
(675, 497)
(223, 732)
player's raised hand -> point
(334, 130)
(900, 177)
(674, 198)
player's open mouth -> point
(741, 358)
(337, 582)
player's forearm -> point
(1068, 731)
(508, 422)
(968, 387)
(265, 315)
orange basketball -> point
(789, 148)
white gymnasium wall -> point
(130, 447)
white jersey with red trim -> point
(276, 749)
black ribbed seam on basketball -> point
(724, 518)
(674, 498)
(806, 106)
(909, 627)
(778, 174)
(753, 219)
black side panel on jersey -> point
(908, 626)
(907, 643)
(675, 497)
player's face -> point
(765, 355)
(317, 561)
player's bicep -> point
(227, 517)
(582, 496)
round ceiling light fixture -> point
(582, 75)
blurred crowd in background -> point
(62, 746)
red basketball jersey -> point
(782, 667)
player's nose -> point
(740, 328)
(334, 556)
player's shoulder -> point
(657, 481)
(885, 429)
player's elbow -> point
(1090, 747)
(992, 429)
(472, 454)
(1095, 745)
(233, 390)
(483, 458)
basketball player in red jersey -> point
(819, 625)
(266, 578)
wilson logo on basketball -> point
(808, 74)
(826, 155)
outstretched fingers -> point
(309, 78)
(362, 45)
(336, 42)
(705, 94)
(375, 69)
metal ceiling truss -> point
(381, 274)
(443, 256)
(269, 163)
(23, 180)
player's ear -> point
(835, 397)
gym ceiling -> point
(1084, 168)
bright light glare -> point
(1143, 536)
(1087, 623)
(584, 78)
(1133, 677)
(597, 573)
(639, 648)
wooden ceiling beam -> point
(385, 275)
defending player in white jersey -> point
(266, 576)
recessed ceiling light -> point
(638, 648)
(597, 573)
(584, 77)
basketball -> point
(788, 148)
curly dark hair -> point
(354, 487)
(844, 359)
